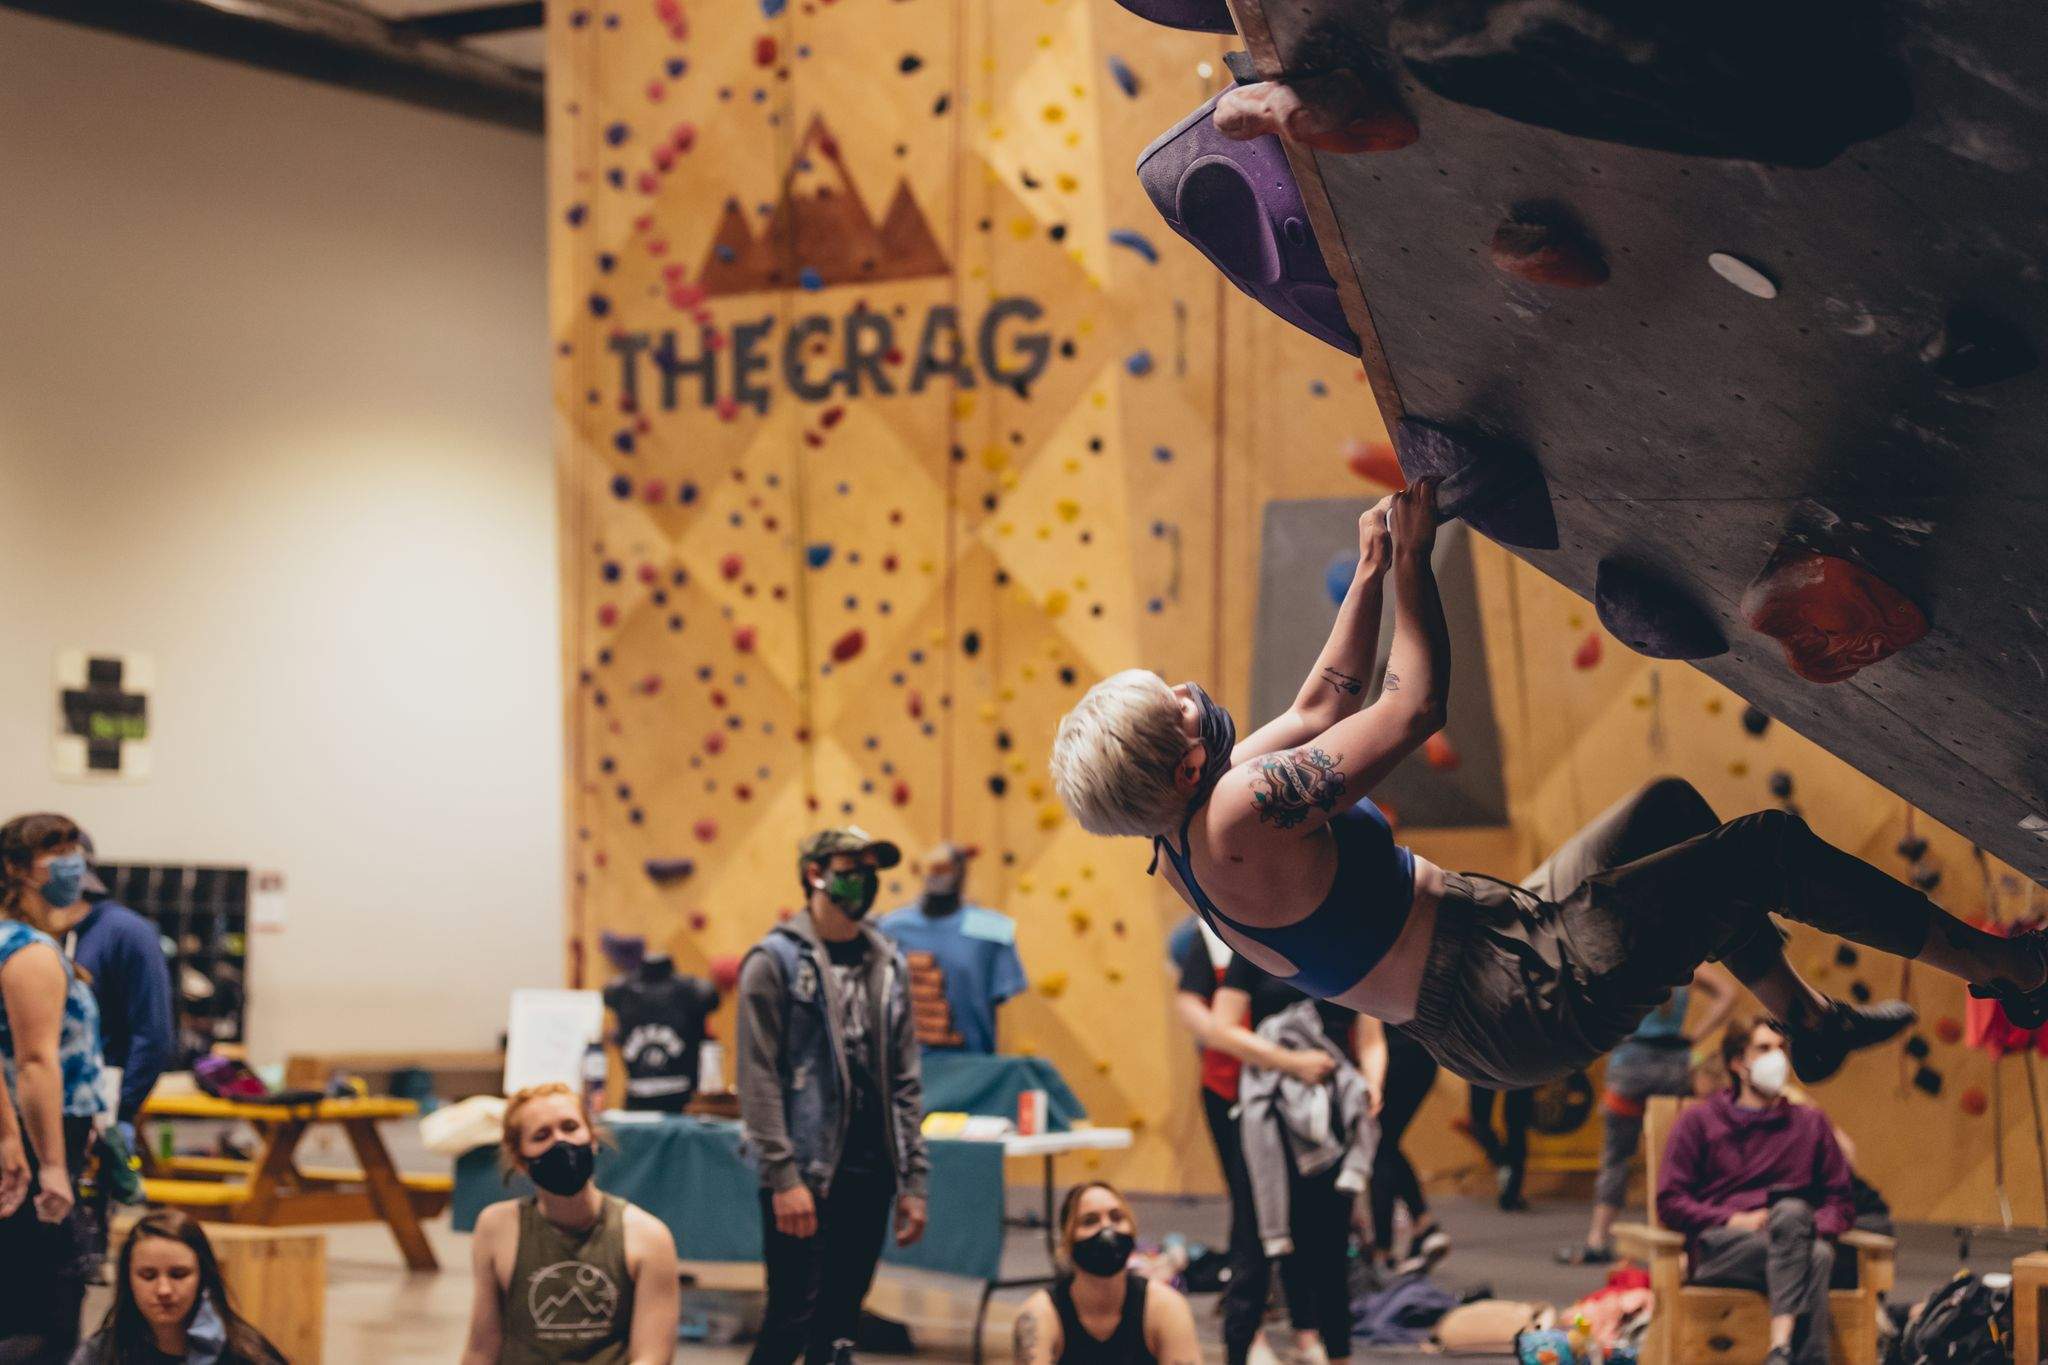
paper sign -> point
(546, 1035)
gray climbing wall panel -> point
(1695, 428)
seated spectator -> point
(1099, 1312)
(171, 1304)
(1760, 1189)
(569, 1273)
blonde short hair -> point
(1114, 758)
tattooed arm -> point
(1419, 665)
(1336, 686)
(1170, 1327)
(1036, 1337)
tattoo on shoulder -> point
(1026, 1337)
(1393, 682)
(1343, 682)
(1292, 784)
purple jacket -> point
(1725, 1159)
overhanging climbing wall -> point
(1874, 169)
(891, 418)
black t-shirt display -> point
(661, 1033)
(866, 1149)
(1270, 995)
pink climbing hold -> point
(727, 407)
(698, 920)
(1589, 652)
(647, 574)
(714, 743)
(706, 830)
(743, 639)
(608, 615)
(654, 490)
(849, 646)
(650, 684)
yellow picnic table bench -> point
(272, 1190)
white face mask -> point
(1768, 1073)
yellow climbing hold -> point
(1066, 182)
(1056, 602)
(1054, 114)
(1738, 769)
(1067, 508)
(1713, 706)
(1071, 465)
(1049, 817)
(1080, 920)
(1052, 985)
(1115, 974)
(1023, 227)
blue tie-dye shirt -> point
(78, 1042)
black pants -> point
(1787, 1261)
(42, 1289)
(1317, 1274)
(1244, 1297)
(1509, 1150)
(1525, 984)
(816, 1284)
(1410, 1074)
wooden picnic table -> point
(273, 1190)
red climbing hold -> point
(654, 490)
(830, 417)
(900, 794)
(1440, 752)
(849, 646)
(607, 615)
(1833, 617)
(1544, 251)
(731, 567)
(1974, 1102)
(764, 51)
(698, 920)
(727, 407)
(647, 573)
(1948, 1030)
(915, 705)
(1375, 461)
(705, 830)
(650, 684)
(714, 743)
(1589, 652)
(743, 639)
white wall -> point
(274, 408)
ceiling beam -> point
(321, 40)
(470, 23)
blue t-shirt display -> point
(962, 965)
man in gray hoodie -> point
(831, 1102)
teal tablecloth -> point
(687, 1172)
(967, 1083)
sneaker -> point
(1424, 1251)
(2024, 1009)
(1585, 1253)
(842, 1352)
(1510, 1200)
(1262, 1352)
(1819, 1049)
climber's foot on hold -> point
(1331, 112)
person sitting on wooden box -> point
(1760, 1189)
(569, 1273)
(963, 957)
(171, 1304)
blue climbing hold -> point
(1135, 241)
(1139, 364)
(1162, 454)
(1125, 78)
(809, 278)
(771, 8)
(623, 442)
(818, 556)
(622, 487)
(1337, 578)
(617, 133)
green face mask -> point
(853, 892)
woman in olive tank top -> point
(568, 1274)
(1099, 1312)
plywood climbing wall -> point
(892, 418)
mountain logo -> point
(572, 1300)
(820, 232)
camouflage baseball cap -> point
(847, 839)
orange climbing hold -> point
(1833, 617)
(1375, 461)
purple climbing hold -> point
(1652, 616)
(1491, 484)
(663, 871)
(1238, 203)
(1125, 78)
(1200, 16)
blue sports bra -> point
(1337, 943)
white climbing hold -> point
(1743, 275)
(2036, 826)
(1204, 70)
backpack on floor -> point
(1965, 1322)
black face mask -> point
(938, 903)
(853, 892)
(563, 1168)
(1104, 1254)
(1219, 737)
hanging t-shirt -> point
(661, 1036)
(962, 965)
(867, 1143)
